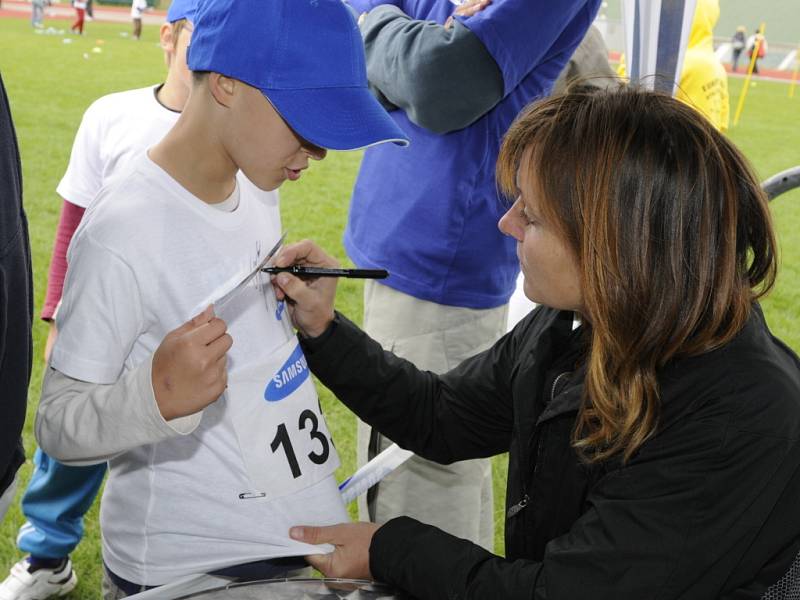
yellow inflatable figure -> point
(704, 82)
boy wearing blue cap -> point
(211, 426)
(114, 128)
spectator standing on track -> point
(757, 44)
(137, 10)
(737, 46)
(80, 15)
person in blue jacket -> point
(453, 80)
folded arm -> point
(86, 423)
(443, 78)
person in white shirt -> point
(137, 10)
(205, 408)
(114, 129)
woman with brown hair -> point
(654, 449)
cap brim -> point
(337, 118)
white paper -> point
(372, 472)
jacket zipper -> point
(518, 507)
(555, 383)
(523, 503)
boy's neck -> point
(174, 93)
(192, 155)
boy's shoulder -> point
(119, 105)
(128, 204)
(143, 199)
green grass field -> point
(51, 83)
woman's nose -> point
(510, 223)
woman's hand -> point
(309, 301)
(350, 558)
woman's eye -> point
(526, 218)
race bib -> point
(282, 434)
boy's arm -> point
(86, 423)
(445, 78)
(71, 215)
(101, 317)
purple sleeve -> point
(521, 34)
(362, 6)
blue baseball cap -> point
(181, 9)
(306, 57)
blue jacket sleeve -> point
(362, 6)
(521, 34)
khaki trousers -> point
(457, 498)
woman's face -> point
(548, 264)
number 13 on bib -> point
(283, 437)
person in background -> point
(80, 14)
(427, 213)
(756, 45)
(737, 46)
(37, 13)
(113, 130)
(654, 449)
(137, 10)
(16, 306)
(704, 81)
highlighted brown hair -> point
(672, 232)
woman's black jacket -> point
(709, 507)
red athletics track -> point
(763, 73)
(15, 9)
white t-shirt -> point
(519, 305)
(147, 256)
(114, 129)
(137, 8)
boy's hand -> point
(310, 301)
(52, 333)
(351, 541)
(189, 367)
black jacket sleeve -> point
(677, 521)
(464, 414)
(16, 300)
(666, 527)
